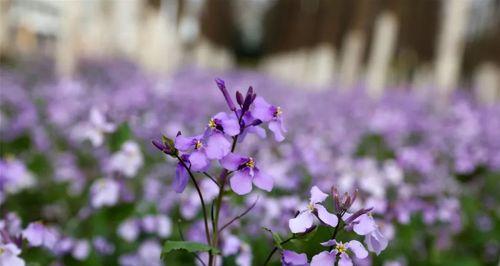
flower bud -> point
(222, 87)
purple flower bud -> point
(256, 122)
(239, 98)
(222, 88)
(162, 147)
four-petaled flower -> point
(269, 113)
(245, 173)
(305, 218)
(339, 249)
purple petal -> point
(357, 248)
(345, 260)
(277, 129)
(181, 178)
(198, 160)
(241, 183)
(317, 195)
(217, 146)
(329, 243)
(326, 217)
(364, 225)
(292, 258)
(229, 124)
(184, 143)
(323, 259)
(262, 110)
(34, 234)
(263, 181)
(301, 223)
(376, 242)
(232, 161)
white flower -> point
(9, 255)
(128, 160)
(104, 192)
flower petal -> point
(301, 223)
(217, 146)
(364, 225)
(275, 127)
(323, 258)
(317, 195)
(232, 161)
(241, 183)
(376, 241)
(262, 110)
(293, 258)
(198, 160)
(263, 181)
(181, 178)
(326, 217)
(345, 260)
(357, 248)
(184, 143)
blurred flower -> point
(104, 192)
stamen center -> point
(250, 163)
(278, 112)
(341, 248)
(198, 145)
(211, 123)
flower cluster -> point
(218, 142)
(343, 218)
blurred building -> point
(433, 45)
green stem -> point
(276, 248)
(200, 195)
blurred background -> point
(435, 46)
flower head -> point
(245, 173)
(269, 113)
(304, 220)
(341, 250)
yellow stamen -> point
(310, 206)
(2, 250)
(341, 248)
(211, 123)
(250, 163)
(198, 145)
(278, 112)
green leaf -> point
(189, 246)
(276, 237)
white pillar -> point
(67, 40)
(487, 83)
(450, 46)
(381, 53)
(351, 55)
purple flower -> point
(340, 249)
(9, 255)
(223, 123)
(196, 146)
(269, 113)
(362, 225)
(104, 192)
(290, 258)
(305, 218)
(38, 234)
(245, 173)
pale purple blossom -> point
(305, 219)
(245, 172)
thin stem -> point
(211, 178)
(200, 195)
(239, 216)
(276, 248)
